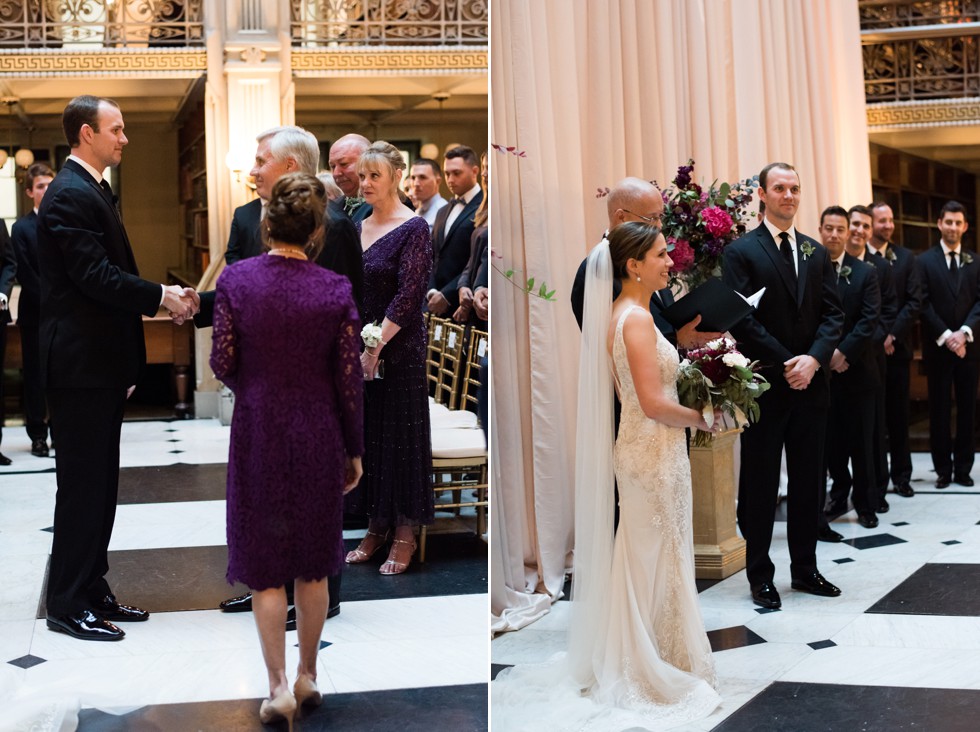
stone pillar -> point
(718, 550)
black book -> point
(720, 307)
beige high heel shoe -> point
(282, 707)
(396, 567)
(306, 692)
(357, 556)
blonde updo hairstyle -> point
(383, 156)
(295, 213)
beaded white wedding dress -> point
(651, 664)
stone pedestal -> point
(718, 550)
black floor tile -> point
(458, 708)
(835, 708)
(703, 584)
(171, 483)
(935, 589)
(27, 661)
(496, 668)
(738, 636)
(873, 542)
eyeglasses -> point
(655, 219)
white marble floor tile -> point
(762, 662)
(879, 630)
(160, 525)
(527, 646)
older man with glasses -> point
(633, 199)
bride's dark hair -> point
(631, 240)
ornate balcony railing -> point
(317, 23)
(917, 50)
(100, 23)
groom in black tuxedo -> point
(91, 353)
(950, 278)
(793, 333)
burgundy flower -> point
(716, 370)
(683, 177)
(682, 254)
(716, 221)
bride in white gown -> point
(638, 655)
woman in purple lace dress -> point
(396, 491)
(286, 341)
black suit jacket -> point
(889, 298)
(659, 302)
(947, 304)
(23, 237)
(341, 251)
(8, 271)
(908, 299)
(91, 333)
(861, 302)
(793, 318)
(337, 210)
(452, 250)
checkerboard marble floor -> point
(407, 652)
(898, 650)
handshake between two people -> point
(182, 303)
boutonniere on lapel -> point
(966, 258)
(806, 248)
(845, 272)
(890, 254)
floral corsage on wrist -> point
(371, 336)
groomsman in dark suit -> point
(634, 199)
(859, 220)
(8, 271)
(950, 278)
(344, 154)
(854, 372)
(92, 351)
(793, 333)
(453, 230)
(24, 239)
(898, 342)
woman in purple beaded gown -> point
(396, 491)
(286, 341)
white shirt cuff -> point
(163, 295)
(969, 333)
(942, 339)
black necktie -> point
(787, 251)
(837, 268)
(109, 194)
(954, 271)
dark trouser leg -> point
(87, 465)
(939, 377)
(804, 439)
(837, 448)
(879, 447)
(3, 353)
(35, 406)
(897, 417)
(863, 450)
(333, 587)
(965, 375)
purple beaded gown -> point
(287, 342)
(397, 485)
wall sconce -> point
(238, 164)
(24, 157)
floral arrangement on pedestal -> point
(718, 376)
(699, 223)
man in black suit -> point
(283, 150)
(23, 236)
(453, 229)
(793, 333)
(343, 157)
(92, 351)
(860, 223)
(898, 342)
(8, 271)
(854, 375)
(950, 278)
(634, 199)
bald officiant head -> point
(634, 199)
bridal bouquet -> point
(718, 376)
(700, 222)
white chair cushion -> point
(458, 443)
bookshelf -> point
(193, 203)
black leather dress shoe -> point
(333, 611)
(240, 604)
(904, 490)
(39, 448)
(765, 595)
(883, 506)
(291, 619)
(85, 625)
(836, 508)
(4, 460)
(829, 535)
(815, 584)
(942, 481)
(963, 480)
(110, 609)
(868, 520)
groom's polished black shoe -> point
(904, 490)
(963, 480)
(815, 584)
(868, 520)
(942, 481)
(765, 595)
(110, 609)
(829, 535)
(85, 625)
(240, 604)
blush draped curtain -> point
(592, 92)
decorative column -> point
(718, 550)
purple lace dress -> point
(287, 342)
(397, 485)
